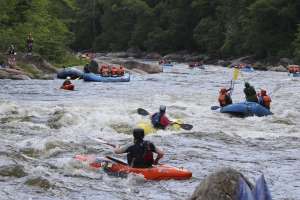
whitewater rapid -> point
(43, 127)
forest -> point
(267, 29)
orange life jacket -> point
(294, 68)
(104, 70)
(114, 71)
(267, 101)
(121, 71)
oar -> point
(144, 112)
(215, 107)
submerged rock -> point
(221, 185)
(39, 182)
(14, 170)
(278, 69)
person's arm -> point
(160, 154)
(120, 150)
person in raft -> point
(140, 153)
(264, 99)
(67, 81)
(224, 97)
(160, 120)
(250, 93)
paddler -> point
(224, 97)
(67, 81)
(264, 99)
(140, 154)
(250, 93)
(160, 120)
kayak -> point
(71, 72)
(246, 109)
(68, 87)
(247, 69)
(120, 168)
(148, 127)
(294, 74)
(98, 78)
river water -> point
(43, 127)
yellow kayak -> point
(148, 128)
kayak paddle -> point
(144, 112)
(116, 160)
(215, 107)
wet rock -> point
(14, 170)
(174, 57)
(221, 185)
(117, 55)
(223, 63)
(149, 68)
(286, 61)
(153, 56)
(134, 52)
(7, 73)
(278, 69)
(260, 66)
(39, 182)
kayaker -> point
(140, 154)
(67, 81)
(264, 99)
(250, 93)
(224, 97)
(160, 120)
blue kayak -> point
(294, 74)
(71, 72)
(247, 69)
(246, 109)
(98, 78)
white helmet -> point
(68, 78)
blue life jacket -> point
(155, 119)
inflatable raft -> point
(294, 74)
(245, 109)
(120, 168)
(98, 78)
(247, 69)
(71, 72)
(67, 87)
(149, 129)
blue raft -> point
(294, 74)
(245, 109)
(247, 69)
(98, 78)
(71, 72)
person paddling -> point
(250, 93)
(264, 99)
(224, 97)
(67, 81)
(160, 120)
(140, 154)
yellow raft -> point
(149, 129)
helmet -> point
(223, 90)
(162, 108)
(68, 78)
(247, 84)
(263, 92)
(138, 133)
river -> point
(43, 127)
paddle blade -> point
(214, 107)
(142, 111)
(186, 126)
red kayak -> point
(157, 172)
(68, 87)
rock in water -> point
(221, 185)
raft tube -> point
(156, 173)
(67, 87)
(247, 69)
(294, 74)
(71, 72)
(98, 78)
(245, 109)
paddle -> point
(144, 112)
(215, 107)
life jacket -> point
(224, 99)
(265, 101)
(121, 71)
(140, 155)
(104, 70)
(294, 69)
(155, 119)
(114, 71)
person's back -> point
(140, 154)
(67, 81)
(160, 120)
(224, 97)
(250, 93)
(264, 99)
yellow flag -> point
(236, 74)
